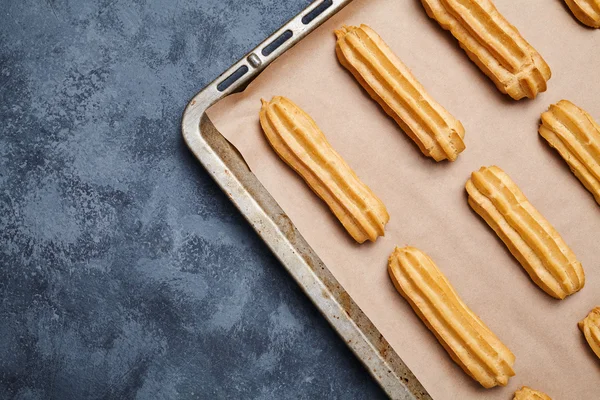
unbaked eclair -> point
(530, 238)
(468, 341)
(299, 142)
(493, 44)
(391, 84)
(576, 136)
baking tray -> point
(228, 169)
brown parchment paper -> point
(427, 200)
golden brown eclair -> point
(389, 82)
(463, 335)
(590, 326)
(299, 142)
(527, 393)
(586, 11)
(576, 137)
(493, 44)
(539, 248)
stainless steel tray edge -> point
(229, 170)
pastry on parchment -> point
(586, 11)
(527, 393)
(539, 248)
(389, 82)
(493, 44)
(590, 326)
(576, 136)
(463, 335)
(299, 142)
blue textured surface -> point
(124, 271)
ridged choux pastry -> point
(389, 82)
(299, 142)
(586, 11)
(527, 393)
(468, 341)
(530, 238)
(493, 44)
(576, 136)
(590, 326)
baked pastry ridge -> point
(590, 326)
(389, 82)
(527, 393)
(493, 44)
(586, 11)
(576, 137)
(468, 341)
(298, 141)
(531, 239)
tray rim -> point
(275, 228)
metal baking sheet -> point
(229, 170)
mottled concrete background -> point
(124, 271)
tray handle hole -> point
(237, 74)
(278, 41)
(315, 12)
